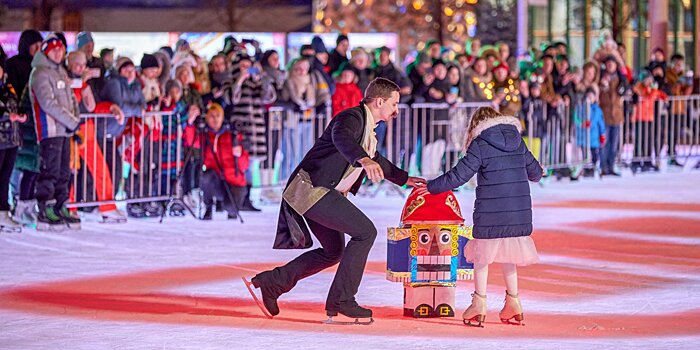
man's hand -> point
(373, 169)
(14, 117)
(416, 182)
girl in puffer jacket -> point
(496, 153)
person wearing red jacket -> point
(347, 93)
(225, 163)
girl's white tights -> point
(481, 276)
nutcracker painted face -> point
(428, 247)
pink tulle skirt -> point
(514, 250)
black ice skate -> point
(359, 314)
(268, 306)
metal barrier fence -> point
(142, 163)
(138, 165)
(654, 130)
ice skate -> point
(135, 210)
(114, 216)
(8, 224)
(512, 312)
(47, 220)
(176, 209)
(25, 212)
(361, 315)
(476, 312)
(268, 310)
(71, 220)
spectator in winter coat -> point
(613, 86)
(149, 81)
(421, 76)
(347, 94)
(19, 67)
(317, 68)
(438, 90)
(88, 149)
(534, 118)
(385, 68)
(593, 127)
(679, 83)
(190, 95)
(86, 44)
(479, 82)
(360, 63)
(9, 141)
(225, 164)
(272, 73)
(219, 77)
(57, 117)
(339, 55)
(643, 117)
(249, 95)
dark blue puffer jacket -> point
(503, 166)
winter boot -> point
(71, 220)
(476, 311)
(8, 224)
(512, 310)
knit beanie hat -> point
(172, 83)
(83, 39)
(149, 61)
(51, 42)
(318, 45)
(340, 38)
(123, 62)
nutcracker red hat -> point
(501, 65)
(429, 208)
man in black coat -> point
(316, 194)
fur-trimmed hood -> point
(501, 132)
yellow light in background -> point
(327, 22)
(359, 2)
(449, 11)
(345, 2)
(399, 2)
(686, 4)
(319, 15)
(451, 27)
(459, 3)
(457, 47)
(318, 28)
(472, 2)
(418, 4)
(471, 18)
(428, 18)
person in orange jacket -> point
(643, 117)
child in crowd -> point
(225, 163)
(347, 93)
(496, 153)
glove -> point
(587, 124)
(602, 139)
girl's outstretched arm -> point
(460, 174)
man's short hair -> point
(677, 57)
(380, 88)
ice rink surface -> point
(620, 269)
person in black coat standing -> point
(316, 194)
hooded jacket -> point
(55, 109)
(503, 165)
(19, 67)
(128, 97)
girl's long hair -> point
(480, 115)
